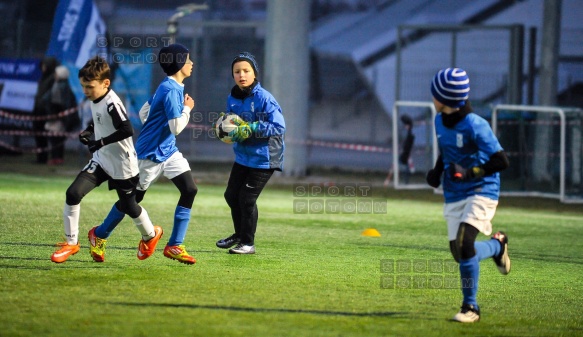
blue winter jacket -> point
(264, 149)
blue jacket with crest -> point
(264, 149)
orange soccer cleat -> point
(63, 253)
(147, 248)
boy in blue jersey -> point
(470, 159)
(258, 151)
(164, 116)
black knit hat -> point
(246, 56)
(172, 58)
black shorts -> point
(94, 173)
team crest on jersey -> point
(459, 140)
(252, 106)
(98, 117)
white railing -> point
(561, 113)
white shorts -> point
(151, 171)
(476, 210)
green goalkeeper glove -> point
(243, 131)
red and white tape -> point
(309, 142)
(24, 133)
(22, 117)
(320, 143)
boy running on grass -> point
(109, 139)
(470, 159)
(164, 116)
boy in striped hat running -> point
(470, 161)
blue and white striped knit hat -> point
(451, 87)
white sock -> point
(71, 223)
(144, 225)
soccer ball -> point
(225, 124)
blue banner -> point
(132, 82)
(18, 83)
(78, 32)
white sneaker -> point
(242, 249)
(468, 314)
(502, 260)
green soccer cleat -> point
(96, 246)
(178, 253)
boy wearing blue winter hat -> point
(258, 151)
(470, 161)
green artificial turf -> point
(313, 274)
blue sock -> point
(470, 273)
(486, 249)
(111, 221)
(181, 220)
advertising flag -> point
(78, 32)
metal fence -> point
(544, 145)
